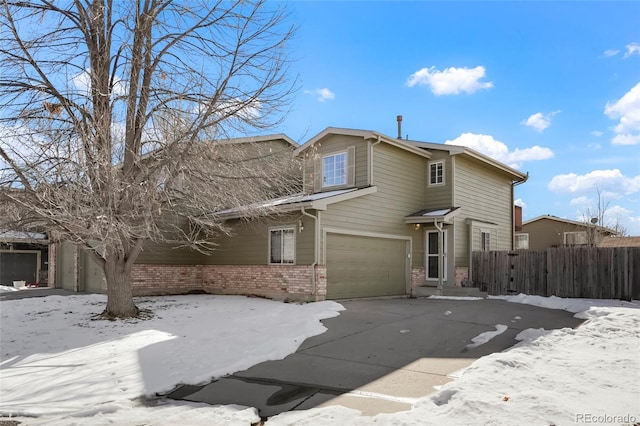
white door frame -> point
(445, 266)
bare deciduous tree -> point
(597, 217)
(114, 116)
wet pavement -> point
(379, 355)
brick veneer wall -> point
(165, 279)
(462, 275)
(279, 282)
(292, 282)
(418, 278)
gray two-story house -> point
(378, 216)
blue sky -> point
(550, 88)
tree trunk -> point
(119, 292)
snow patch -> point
(483, 338)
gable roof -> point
(416, 147)
(366, 135)
(620, 242)
(264, 138)
(568, 222)
(463, 150)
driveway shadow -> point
(392, 351)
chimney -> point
(399, 118)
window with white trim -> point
(485, 240)
(334, 169)
(432, 255)
(522, 241)
(436, 173)
(282, 246)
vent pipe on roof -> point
(399, 118)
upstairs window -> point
(436, 173)
(282, 246)
(334, 169)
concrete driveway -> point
(379, 355)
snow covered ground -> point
(59, 367)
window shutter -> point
(317, 175)
(351, 167)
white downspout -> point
(438, 226)
(315, 250)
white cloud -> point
(612, 181)
(627, 110)
(632, 49)
(596, 133)
(611, 52)
(520, 203)
(450, 81)
(539, 121)
(82, 82)
(580, 201)
(323, 94)
(498, 150)
(626, 139)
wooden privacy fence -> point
(589, 272)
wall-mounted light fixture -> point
(300, 225)
(416, 226)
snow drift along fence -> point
(589, 272)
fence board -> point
(587, 272)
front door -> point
(432, 254)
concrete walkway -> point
(379, 355)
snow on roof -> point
(289, 199)
(436, 212)
(20, 235)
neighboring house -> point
(377, 216)
(23, 258)
(374, 217)
(548, 231)
(615, 241)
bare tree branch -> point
(114, 118)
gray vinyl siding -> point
(248, 243)
(484, 195)
(331, 144)
(439, 196)
(65, 266)
(399, 177)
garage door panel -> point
(365, 266)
